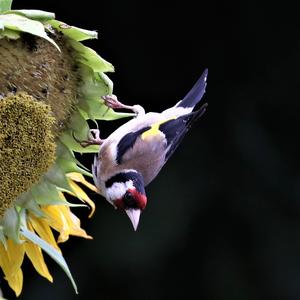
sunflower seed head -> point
(31, 64)
(27, 147)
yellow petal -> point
(62, 220)
(82, 196)
(15, 255)
(57, 221)
(16, 282)
(79, 178)
(74, 224)
(35, 255)
(4, 261)
(11, 261)
(41, 227)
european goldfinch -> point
(132, 156)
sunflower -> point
(50, 86)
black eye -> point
(129, 200)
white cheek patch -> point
(118, 190)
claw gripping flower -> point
(50, 85)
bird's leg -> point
(113, 102)
(92, 139)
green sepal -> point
(33, 207)
(70, 166)
(102, 77)
(52, 252)
(33, 14)
(65, 153)
(94, 85)
(80, 129)
(23, 218)
(91, 105)
(11, 224)
(68, 162)
(57, 177)
(2, 238)
(5, 5)
(20, 23)
(90, 58)
(46, 193)
(74, 33)
(69, 141)
(94, 109)
(79, 126)
(10, 34)
(27, 201)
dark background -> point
(223, 219)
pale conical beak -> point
(134, 216)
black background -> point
(223, 219)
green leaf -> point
(5, 5)
(90, 58)
(33, 14)
(11, 224)
(52, 252)
(75, 33)
(20, 23)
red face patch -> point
(141, 199)
(132, 199)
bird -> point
(133, 155)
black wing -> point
(127, 142)
(176, 129)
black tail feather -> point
(196, 93)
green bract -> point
(55, 84)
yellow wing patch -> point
(154, 130)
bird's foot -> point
(113, 102)
(92, 139)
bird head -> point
(126, 191)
